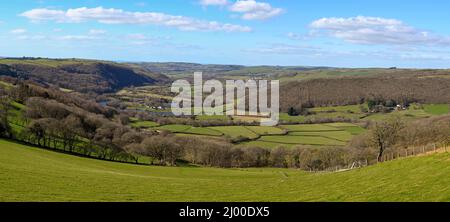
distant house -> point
(400, 107)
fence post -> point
(434, 147)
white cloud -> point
(119, 16)
(77, 37)
(285, 49)
(141, 39)
(375, 30)
(97, 32)
(32, 37)
(296, 36)
(137, 36)
(18, 31)
(253, 10)
(213, 2)
(42, 14)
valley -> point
(326, 146)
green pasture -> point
(33, 174)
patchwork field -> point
(55, 176)
(331, 134)
(289, 135)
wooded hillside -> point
(78, 75)
(355, 90)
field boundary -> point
(428, 149)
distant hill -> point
(79, 75)
(178, 68)
(172, 68)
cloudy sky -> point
(344, 33)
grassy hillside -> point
(31, 174)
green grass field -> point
(303, 140)
(144, 124)
(286, 118)
(32, 174)
(203, 131)
(332, 134)
(235, 131)
(337, 135)
(354, 130)
(309, 127)
(410, 114)
(174, 128)
(437, 109)
(266, 130)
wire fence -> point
(414, 151)
(394, 155)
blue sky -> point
(345, 33)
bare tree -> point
(385, 134)
(36, 130)
(161, 148)
(69, 130)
